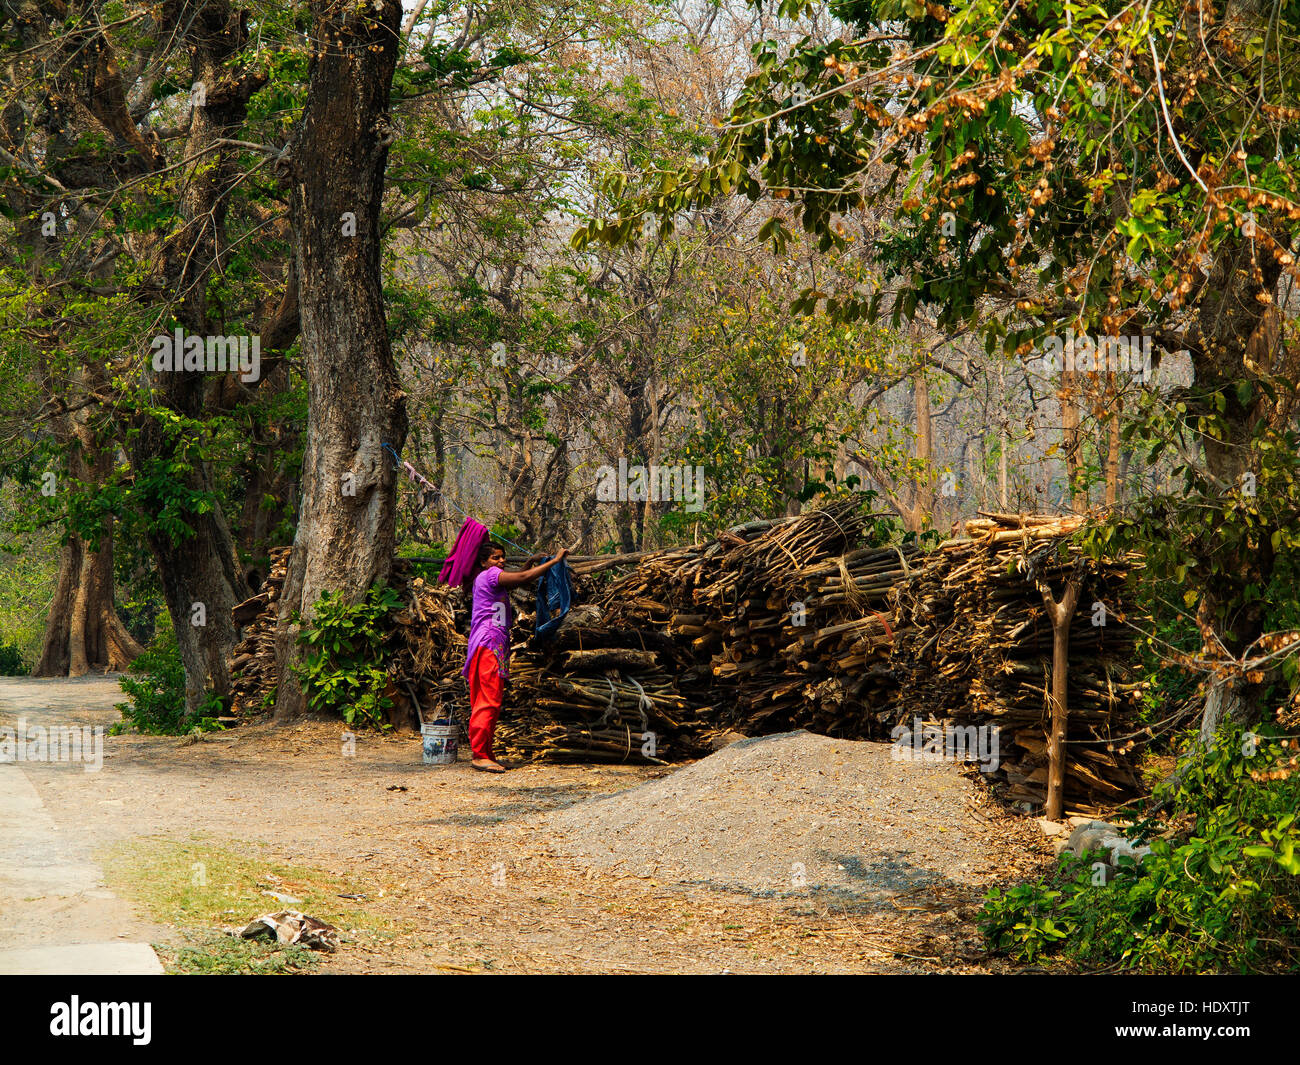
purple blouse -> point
(489, 620)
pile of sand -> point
(792, 813)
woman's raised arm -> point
(506, 579)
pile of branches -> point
(424, 648)
(593, 692)
(778, 624)
(975, 648)
(814, 621)
(252, 663)
(598, 707)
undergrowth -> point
(344, 669)
(1219, 892)
(155, 684)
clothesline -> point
(596, 562)
(588, 563)
(416, 477)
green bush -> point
(1224, 899)
(344, 669)
(156, 686)
(11, 660)
(29, 568)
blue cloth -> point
(554, 596)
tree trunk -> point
(199, 578)
(335, 169)
(270, 489)
(924, 508)
(1061, 614)
(1072, 441)
(1222, 703)
(83, 631)
(1112, 441)
(630, 517)
(1004, 441)
(1236, 329)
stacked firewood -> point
(252, 663)
(600, 708)
(427, 651)
(845, 646)
(596, 692)
(975, 648)
(814, 621)
(780, 624)
(806, 623)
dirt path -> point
(56, 914)
(446, 869)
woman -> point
(487, 660)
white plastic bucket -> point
(440, 740)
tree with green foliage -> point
(1046, 169)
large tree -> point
(1062, 172)
(335, 168)
(131, 215)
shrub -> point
(1225, 899)
(344, 669)
(11, 660)
(156, 686)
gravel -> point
(789, 814)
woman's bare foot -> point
(487, 765)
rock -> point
(1101, 836)
(1051, 828)
(1120, 847)
(1088, 836)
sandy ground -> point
(476, 872)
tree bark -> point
(923, 510)
(633, 383)
(82, 630)
(1112, 440)
(1238, 336)
(335, 170)
(1061, 614)
(270, 489)
(1004, 441)
(1071, 441)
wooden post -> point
(1061, 614)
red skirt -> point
(485, 693)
